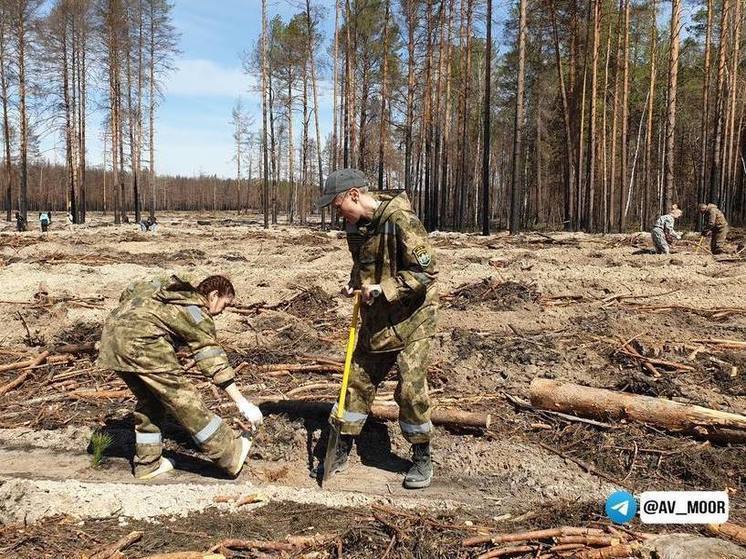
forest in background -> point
(589, 115)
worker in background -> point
(150, 224)
(20, 222)
(663, 232)
(138, 343)
(44, 221)
(715, 225)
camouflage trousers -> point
(158, 393)
(370, 369)
(659, 240)
(718, 235)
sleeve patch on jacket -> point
(422, 255)
(195, 313)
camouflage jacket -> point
(392, 249)
(141, 334)
(665, 223)
(714, 218)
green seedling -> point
(99, 443)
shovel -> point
(335, 421)
(699, 245)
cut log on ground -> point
(608, 405)
(20, 379)
(729, 530)
(383, 412)
(88, 347)
(733, 344)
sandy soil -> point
(513, 309)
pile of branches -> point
(309, 302)
(386, 533)
(20, 241)
(390, 533)
(625, 301)
(57, 385)
(290, 546)
(502, 296)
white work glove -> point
(370, 292)
(347, 291)
(252, 413)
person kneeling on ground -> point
(20, 222)
(138, 343)
(394, 268)
(663, 232)
(44, 221)
(715, 225)
(149, 224)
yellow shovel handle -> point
(699, 245)
(348, 357)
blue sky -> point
(194, 132)
(193, 129)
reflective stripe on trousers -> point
(412, 429)
(350, 416)
(207, 352)
(147, 438)
(208, 430)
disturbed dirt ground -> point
(513, 309)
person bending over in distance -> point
(663, 232)
(715, 225)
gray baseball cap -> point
(340, 181)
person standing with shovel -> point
(394, 269)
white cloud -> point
(200, 77)
(186, 148)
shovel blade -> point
(332, 462)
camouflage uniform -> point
(717, 226)
(392, 250)
(138, 343)
(662, 230)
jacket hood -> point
(390, 204)
(179, 292)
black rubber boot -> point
(421, 473)
(344, 447)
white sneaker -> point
(245, 447)
(164, 467)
